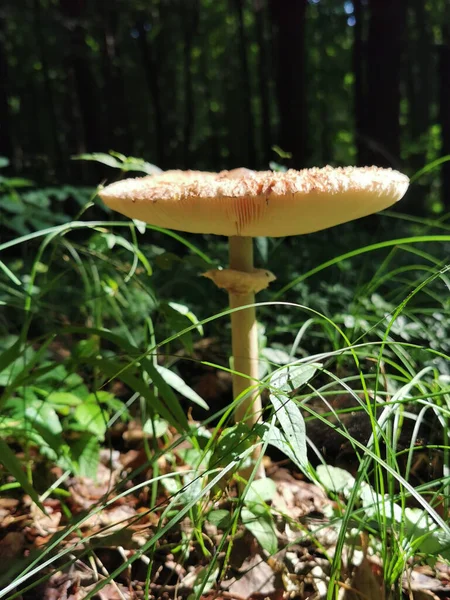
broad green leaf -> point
(277, 439)
(293, 426)
(232, 444)
(63, 399)
(85, 453)
(220, 518)
(178, 384)
(292, 377)
(262, 527)
(92, 418)
(260, 491)
(44, 414)
(335, 479)
(277, 356)
(155, 427)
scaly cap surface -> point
(256, 203)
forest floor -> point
(111, 533)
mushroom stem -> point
(244, 335)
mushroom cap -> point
(256, 203)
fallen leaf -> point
(364, 585)
(257, 578)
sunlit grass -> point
(384, 349)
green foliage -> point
(25, 209)
(121, 162)
(417, 530)
(100, 326)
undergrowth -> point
(102, 326)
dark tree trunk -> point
(288, 17)
(444, 110)
(79, 73)
(118, 128)
(359, 82)
(249, 132)
(6, 146)
(190, 14)
(419, 85)
(152, 76)
(57, 157)
(384, 50)
(212, 142)
(263, 82)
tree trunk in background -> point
(444, 108)
(190, 20)
(419, 83)
(79, 69)
(263, 81)
(57, 154)
(152, 76)
(359, 96)
(246, 88)
(384, 50)
(6, 146)
(288, 17)
(117, 127)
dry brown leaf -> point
(257, 578)
(417, 581)
(45, 524)
(11, 549)
(297, 498)
(113, 518)
(364, 585)
(425, 595)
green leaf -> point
(8, 358)
(260, 491)
(220, 518)
(92, 418)
(18, 182)
(281, 153)
(186, 312)
(44, 414)
(63, 399)
(288, 414)
(335, 479)
(170, 409)
(178, 384)
(232, 444)
(85, 454)
(13, 466)
(292, 377)
(293, 425)
(155, 427)
(204, 581)
(100, 157)
(279, 440)
(262, 527)
(4, 162)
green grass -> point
(89, 304)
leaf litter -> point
(110, 531)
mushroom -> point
(243, 204)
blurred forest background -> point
(212, 84)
